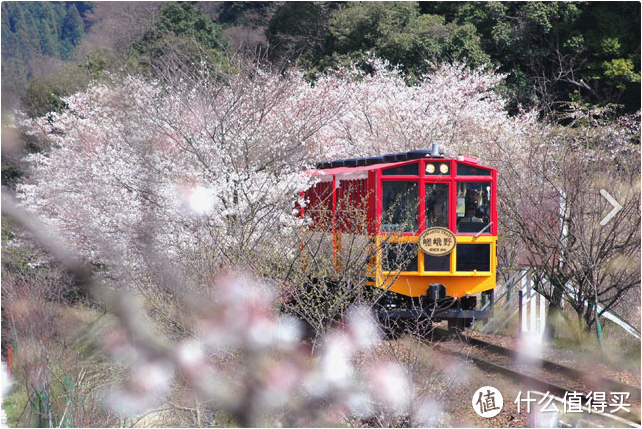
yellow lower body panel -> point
(457, 285)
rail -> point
(556, 373)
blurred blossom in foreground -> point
(201, 200)
(5, 386)
(147, 387)
(429, 414)
(249, 360)
(363, 328)
(530, 348)
(391, 385)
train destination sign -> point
(437, 241)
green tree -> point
(184, 21)
(398, 32)
(33, 30)
(44, 95)
(299, 30)
(180, 35)
(557, 52)
(324, 34)
(72, 27)
(611, 32)
(236, 12)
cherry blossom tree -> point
(557, 211)
(207, 167)
(454, 106)
(164, 184)
(203, 164)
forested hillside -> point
(552, 52)
(32, 31)
(159, 263)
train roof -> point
(362, 165)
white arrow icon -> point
(616, 207)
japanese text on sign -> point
(437, 241)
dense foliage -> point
(176, 22)
(31, 30)
(552, 53)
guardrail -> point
(521, 298)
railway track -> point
(540, 375)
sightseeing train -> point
(430, 223)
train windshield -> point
(473, 206)
(436, 205)
(400, 206)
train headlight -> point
(430, 168)
(443, 168)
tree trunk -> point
(554, 311)
(589, 315)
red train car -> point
(432, 223)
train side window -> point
(473, 206)
(436, 205)
(399, 205)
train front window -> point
(400, 206)
(436, 205)
(473, 206)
